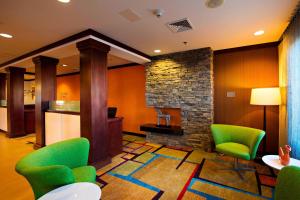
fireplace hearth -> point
(162, 129)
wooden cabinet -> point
(115, 135)
(29, 122)
(3, 118)
(29, 119)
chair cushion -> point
(234, 149)
(85, 174)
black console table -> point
(171, 130)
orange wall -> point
(68, 88)
(126, 91)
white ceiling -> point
(69, 55)
(72, 63)
(36, 23)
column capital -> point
(92, 44)
(15, 69)
(44, 59)
(2, 75)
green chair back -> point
(51, 166)
(250, 137)
(288, 184)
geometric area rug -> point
(153, 171)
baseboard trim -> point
(134, 134)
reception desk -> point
(63, 125)
(3, 118)
(29, 119)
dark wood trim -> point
(134, 134)
(29, 73)
(245, 48)
(29, 79)
(88, 32)
(122, 66)
(69, 74)
(64, 112)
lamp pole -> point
(265, 97)
(265, 129)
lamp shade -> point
(265, 96)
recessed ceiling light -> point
(260, 32)
(64, 1)
(157, 51)
(64, 65)
(6, 35)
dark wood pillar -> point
(15, 101)
(45, 91)
(93, 99)
(2, 86)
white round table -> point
(78, 191)
(274, 162)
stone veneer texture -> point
(183, 80)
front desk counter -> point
(62, 125)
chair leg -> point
(238, 168)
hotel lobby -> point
(135, 100)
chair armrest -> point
(46, 178)
(254, 143)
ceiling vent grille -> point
(180, 25)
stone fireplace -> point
(183, 80)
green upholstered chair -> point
(237, 141)
(288, 184)
(56, 165)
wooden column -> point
(93, 99)
(15, 102)
(2, 86)
(45, 91)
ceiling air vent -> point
(180, 25)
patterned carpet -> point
(152, 171)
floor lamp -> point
(265, 97)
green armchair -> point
(288, 184)
(237, 141)
(56, 165)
